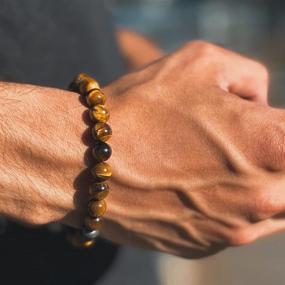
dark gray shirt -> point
(47, 42)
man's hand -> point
(199, 156)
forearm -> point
(42, 133)
(41, 152)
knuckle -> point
(201, 48)
(241, 236)
(260, 210)
(198, 55)
(196, 44)
(264, 73)
(263, 205)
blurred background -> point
(254, 28)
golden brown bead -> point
(99, 191)
(88, 243)
(96, 97)
(87, 86)
(81, 77)
(102, 170)
(85, 83)
(97, 208)
(93, 223)
(102, 132)
(99, 113)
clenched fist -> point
(199, 156)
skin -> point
(136, 48)
(198, 155)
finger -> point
(244, 77)
(267, 228)
(137, 49)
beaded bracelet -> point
(101, 132)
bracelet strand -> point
(101, 171)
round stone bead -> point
(97, 208)
(81, 77)
(96, 97)
(87, 86)
(93, 223)
(78, 240)
(99, 191)
(102, 171)
(86, 83)
(99, 113)
(101, 151)
(90, 234)
(102, 132)
(88, 243)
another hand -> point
(137, 49)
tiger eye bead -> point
(97, 208)
(102, 171)
(99, 113)
(81, 77)
(99, 191)
(86, 83)
(96, 97)
(101, 151)
(102, 132)
(93, 223)
(88, 243)
(87, 86)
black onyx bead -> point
(90, 234)
(101, 151)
